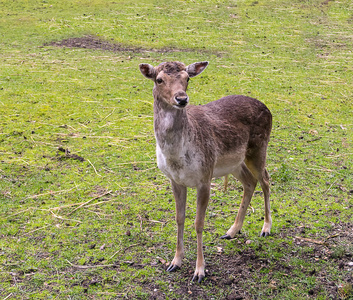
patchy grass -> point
(85, 212)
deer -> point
(197, 143)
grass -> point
(84, 211)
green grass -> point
(60, 104)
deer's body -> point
(197, 143)
(209, 140)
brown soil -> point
(234, 272)
(237, 274)
(93, 42)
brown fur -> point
(196, 143)
(171, 67)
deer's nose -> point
(181, 100)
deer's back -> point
(233, 122)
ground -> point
(85, 213)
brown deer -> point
(197, 143)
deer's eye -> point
(159, 80)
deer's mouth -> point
(180, 106)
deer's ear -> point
(148, 71)
(196, 68)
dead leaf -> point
(220, 250)
(161, 260)
(272, 286)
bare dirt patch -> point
(235, 273)
(96, 43)
(68, 155)
(326, 2)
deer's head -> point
(171, 81)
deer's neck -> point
(169, 125)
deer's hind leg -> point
(245, 176)
(265, 185)
(257, 167)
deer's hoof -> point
(173, 268)
(198, 278)
(226, 237)
(264, 234)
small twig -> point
(64, 219)
(50, 193)
(136, 162)
(94, 168)
(145, 170)
(98, 203)
(339, 155)
(109, 114)
(322, 170)
(34, 142)
(85, 203)
(91, 266)
(64, 206)
(332, 236)
(147, 102)
(225, 183)
(94, 137)
(8, 296)
(94, 213)
(122, 249)
(330, 187)
(71, 127)
(109, 170)
(311, 240)
(98, 213)
(22, 211)
(24, 161)
(140, 222)
(155, 221)
(313, 140)
(36, 229)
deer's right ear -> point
(148, 71)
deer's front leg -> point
(180, 193)
(203, 195)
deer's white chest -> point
(181, 165)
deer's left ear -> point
(148, 71)
(196, 68)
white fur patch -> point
(176, 166)
(228, 164)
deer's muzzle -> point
(181, 99)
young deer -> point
(197, 143)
